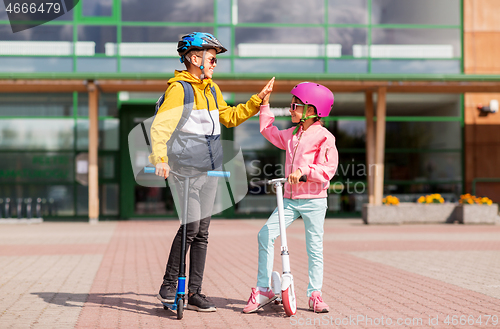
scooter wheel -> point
(277, 302)
(289, 301)
(180, 309)
(165, 308)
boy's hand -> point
(294, 177)
(162, 169)
(265, 93)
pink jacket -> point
(313, 151)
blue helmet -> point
(200, 41)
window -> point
(168, 11)
(278, 11)
(432, 12)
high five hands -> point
(265, 93)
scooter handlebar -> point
(213, 173)
(303, 178)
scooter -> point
(284, 284)
(179, 301)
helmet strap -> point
(202, 75)
(201, 67)
(303, 119)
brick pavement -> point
(76, 275)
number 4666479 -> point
(480, 320)
(44, 7)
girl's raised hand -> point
(265, 93)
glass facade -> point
(316, 36)
(43, 150)
(44, 137)
(423, 150)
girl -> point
(310, 150)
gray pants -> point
(201, 191)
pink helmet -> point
(315, 94)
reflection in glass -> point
(248, 136)
(108, 106)
(278, 11)
(158, 33)
(223, 12)
(433, 166)
(416, 66)
(140, 41)
(440, 43)
(281, 65)
(434, 12)
(108, 200)
(54, 200)
(36, 167)
(423, 135)
(168, 11)
(347, 12)
(36, 104)
(36, 134)
(400, 104)
(224, 35)
(450, 191)
(108, 134)
(99, 35)
(36, 64)
(261, 164)
(423, 104)
(296, 37)
(38, 33)
(348, 134)
(347, 38)
(347, 66)
(153, 201)
(97, 7)
(151, 65)
(96, 65)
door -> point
(139, 201)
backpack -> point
(186, 113)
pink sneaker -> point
(258, 299)
(317, 304)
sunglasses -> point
(212, 61)
(293, 106)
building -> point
(71, 89)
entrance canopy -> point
(284, 83)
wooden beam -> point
(113, 86)
(380, 146)
(93, 148)
(42, 86)
(248, 85)
(370, 146)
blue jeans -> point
(313, 213)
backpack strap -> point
(186, 111)
(214, 93)
(188, 104)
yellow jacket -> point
(203, 119)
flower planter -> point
(477, 213)
(409, 212)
